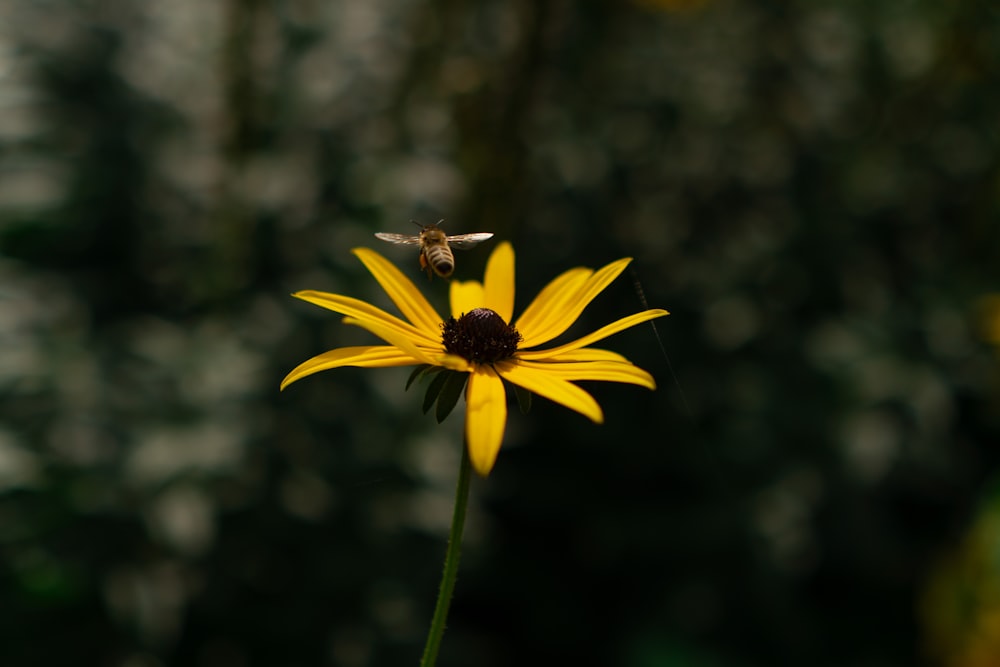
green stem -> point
(450, 563)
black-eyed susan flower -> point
(482, 340)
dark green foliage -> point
(452, 390)
(812, 190)
(421, 372)
(444, 390)
(434, 390)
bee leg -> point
(425, 265)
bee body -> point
(435, 252)
(436, 247)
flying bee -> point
(436, 246)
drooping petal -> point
(465, 297)
(367, 356)
(556, 353)
(547, 306)
(400, 340)
(402, 291)
(607, 371)
(554, 388)
(498, 282)
(362, 310)
(565, 317)
(485, 418)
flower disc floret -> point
(480, 336)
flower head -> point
(481, 339)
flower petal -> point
(402, 291)
(563, 318)
(400, 340)
(465, 297)
(352, 307)
(556, 353)
(545, 308)
(498, 282)
(485, 418)
(552, 387)
(455, 362)
(607, 371)
(588, 354)
(367, 356)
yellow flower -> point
(479, 339)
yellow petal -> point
(498, 283)
(367, 356)
(465, 297)
(552, 387)
(402, 341)
(546, 307)
(455, 363)
(402, 291)
(589, 354)
(485, 418)
(556, 353)
(565, 317)
(362, 310)
(607, 371)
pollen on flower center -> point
(481, 336)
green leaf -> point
(523, 398)
(449, 395)
(434, 390)
(420, 372)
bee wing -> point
(464, 241)
(401, 239)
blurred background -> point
(811, 188)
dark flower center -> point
(481, 336)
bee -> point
(436, 246)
